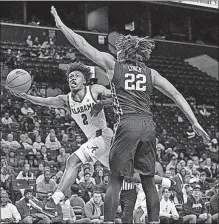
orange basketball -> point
(18, 81)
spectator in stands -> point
(12, 144)
(214, 205)
(51, 42)
(24, 144)
(19, 58)
(70, 147)
(36, 42)
(214, 168)
(41, 176)
(63, 54)
(40, 170)
(70, 55)
(37, 144)
(195, 209)
(26, 173)
(45, 186)
(34, 91)
(10, 60)
(57, 56)
(172, 163)
(203, 183)
(26, 127)
(9, 213)
(168, 155)
(26, 109)
(52, 143)
(99, 177)
(196, 162)
(103, 186)
(45, 44)
(86, 187)
(190, 133)
(189, 166)
(41, 55)
(88, 178)
(51, 131)
(168, 212)
(7, 173)
(168, 173)
(26, 207)
(160, 148)
(94, 208)
(62, 158)
(193, 182)
(214, 145)
(204, 111)
(7, 121)
(12, 160)
(29, 41)
(202, 167)
(75, 200)
(44, 153)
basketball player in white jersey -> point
(87, 111)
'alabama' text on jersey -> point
(80, 112)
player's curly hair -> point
(134, 49)
(79, 66)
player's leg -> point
(87, 152)
(111, 199)
(152, 198)
(145, 157)
(121, 162)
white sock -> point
(166, 182)
(57, 196)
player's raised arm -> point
(105, 60)
(163, 85)
(105, 98)
(56, 102)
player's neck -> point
(79, 95)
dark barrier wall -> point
(19, 33)
(184, 50)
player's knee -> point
(73, 161)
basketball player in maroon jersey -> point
(134, 145)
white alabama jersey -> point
(80, 112)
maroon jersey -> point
(131, 89)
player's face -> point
(76, 81)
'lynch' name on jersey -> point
(82, 109)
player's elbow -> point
(175, 95)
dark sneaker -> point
(50, 205)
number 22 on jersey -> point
(135, 82)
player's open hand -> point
(21, 95)
(56, 17)
(200, 131)
(95, 110)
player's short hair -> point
(79, 66)
(134, 49)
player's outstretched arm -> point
(169, 90)
(105, 60)
(105, 95)
(56, 102)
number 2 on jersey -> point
(84, 117)
(135, 82)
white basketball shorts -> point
(96, 148)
